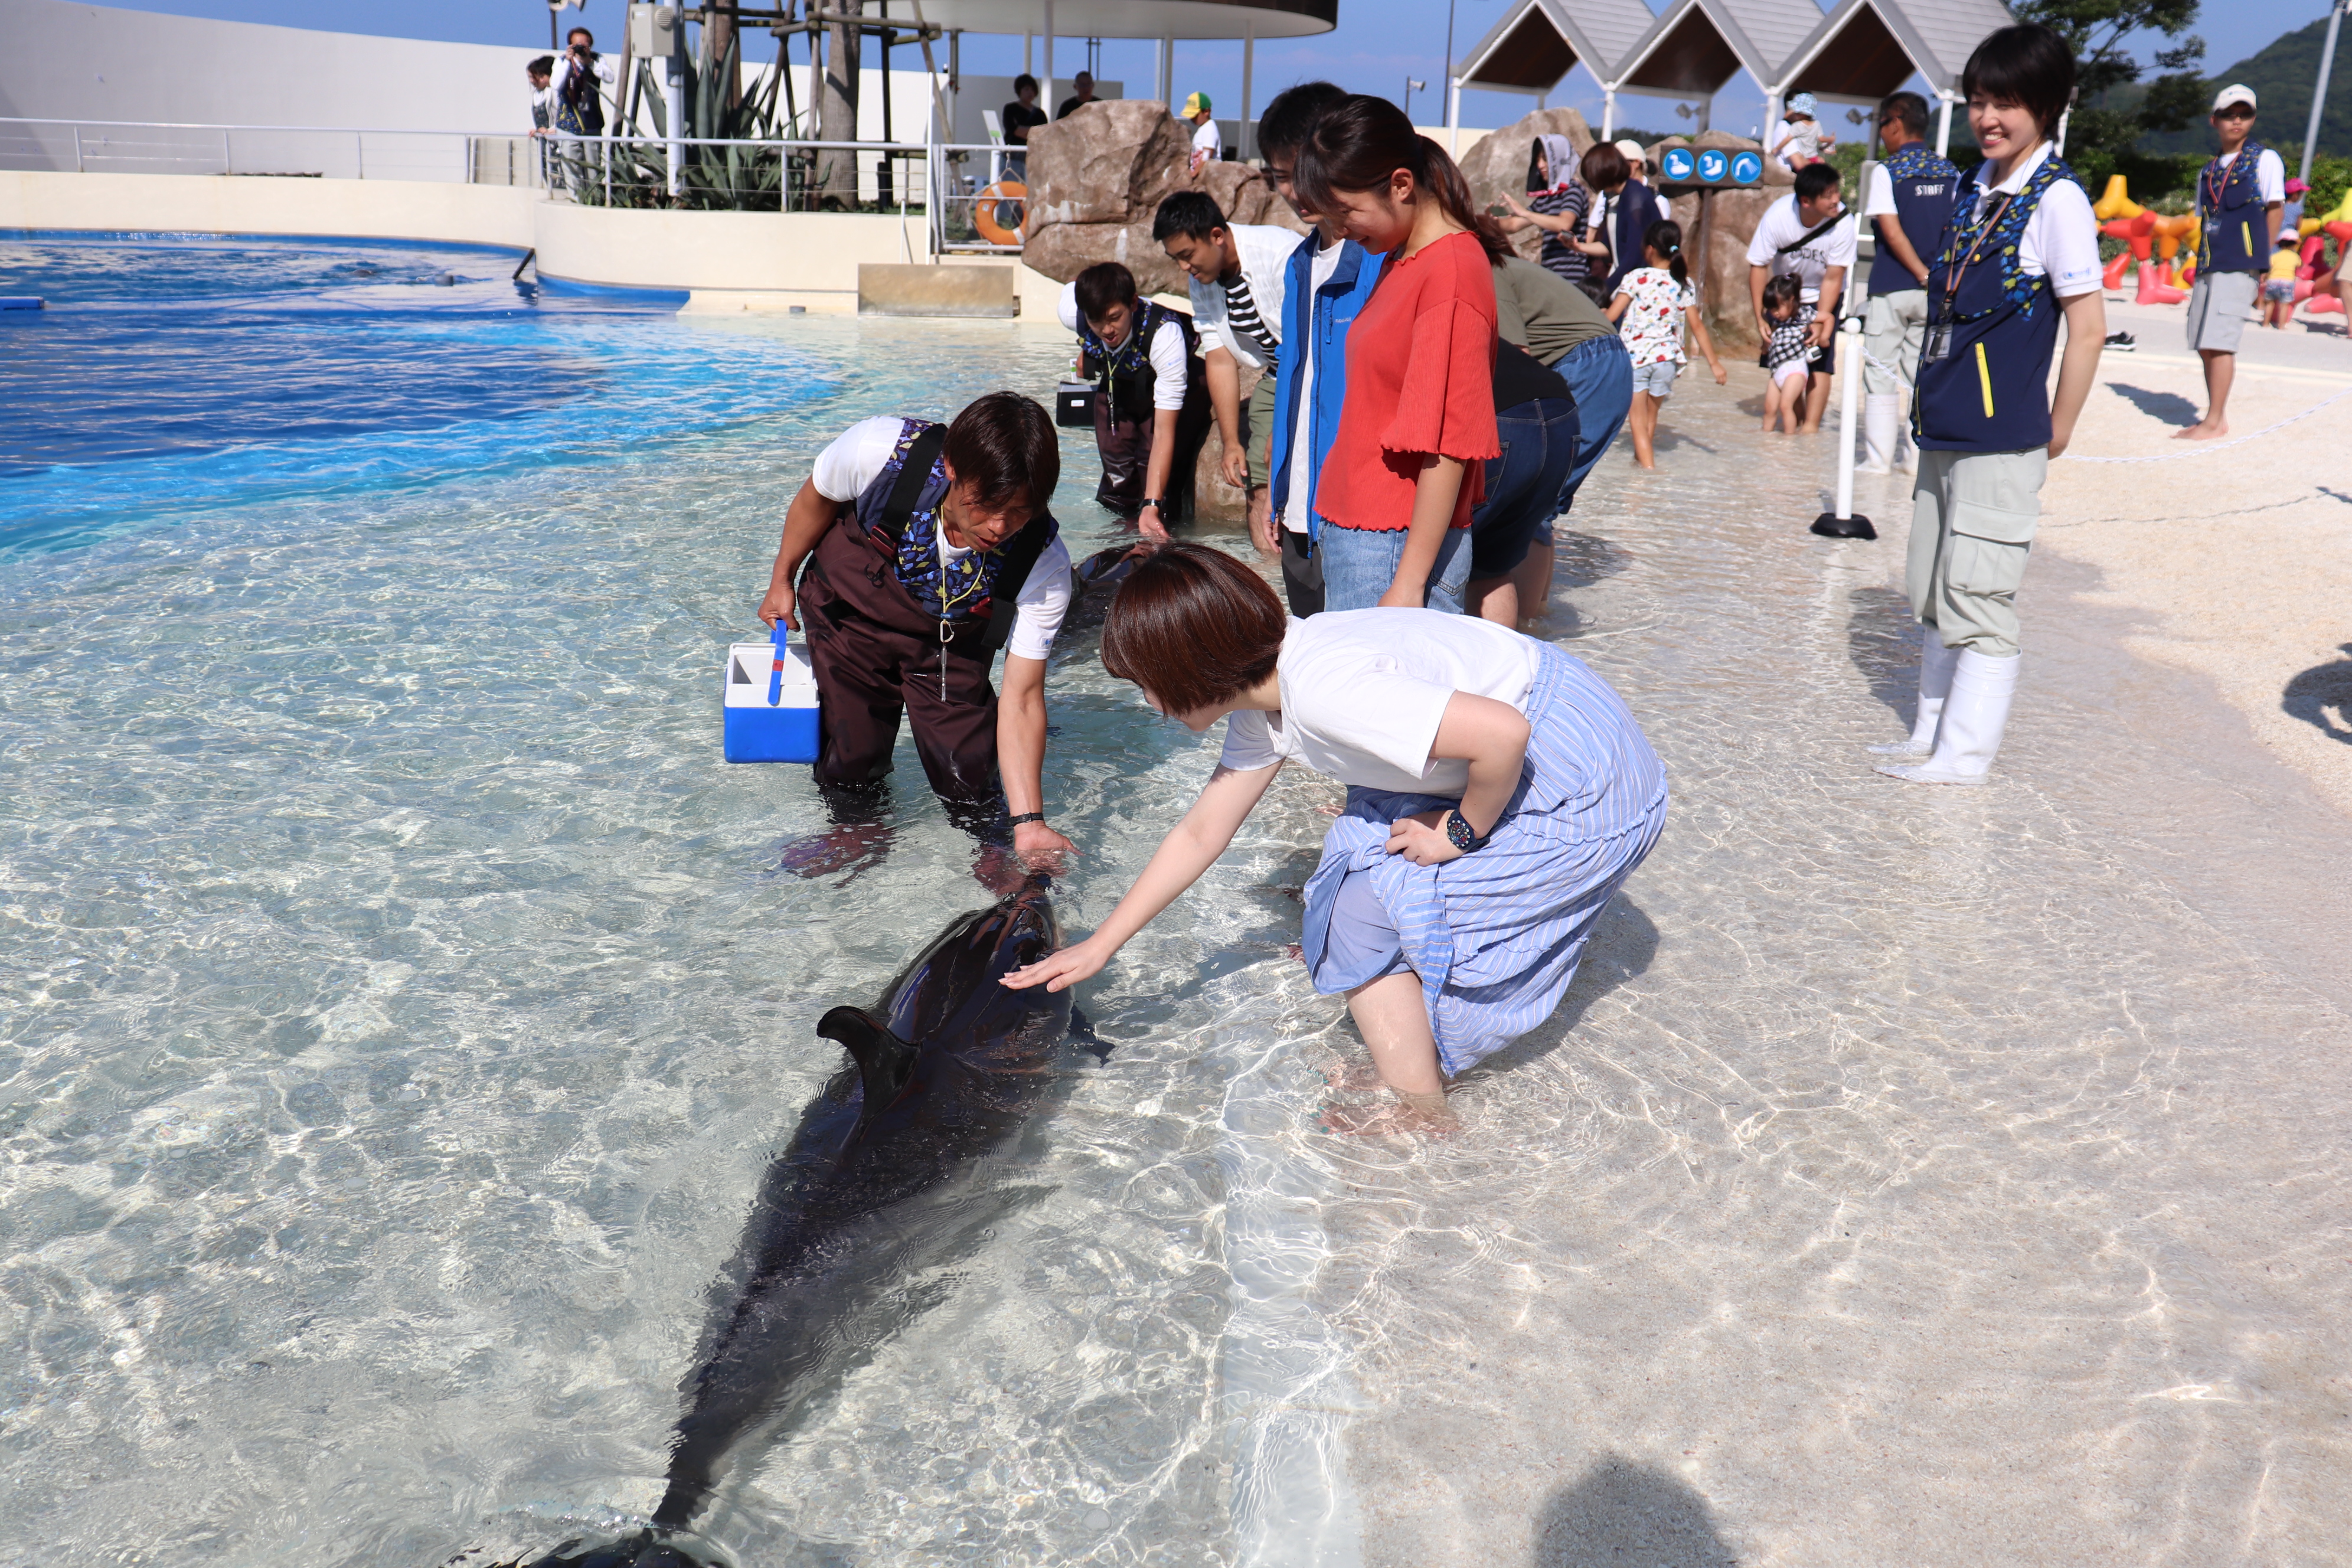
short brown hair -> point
(1603, 167)
(1193, 627)
(1004, 447)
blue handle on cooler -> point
(776, 670)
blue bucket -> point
(768, 702)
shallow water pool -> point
(401, 999)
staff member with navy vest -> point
(1151, 407)
(927, 547)
(2019, 251)
(1909, 196)
(2240, 196)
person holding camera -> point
(580, 78)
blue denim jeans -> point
(1601, 373)
(1523, 485)
(1359, 564)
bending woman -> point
(1497, 794)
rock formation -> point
(1096, 178)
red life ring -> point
(984, 211)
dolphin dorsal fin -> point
(885, 1062)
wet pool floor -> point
(1915, 1176)
(398, 1003)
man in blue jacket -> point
(1326, 281)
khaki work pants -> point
(1893, 332)
(1972, 520)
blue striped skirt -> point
(1495, 935)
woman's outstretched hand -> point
(1421, 840)
(1060, 971)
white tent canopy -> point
(1861, 49)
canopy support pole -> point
(1046, 90)
(1167, 64)
(2319, 93)
(1607, 110)
(1243, 149)
(1944, 126)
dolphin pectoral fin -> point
(885, 1062)
(1082, 1029)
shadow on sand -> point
(2168, 407)
(1623, 1513)
(1883, 641)
(2309, 696)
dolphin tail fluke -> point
(885, 1062)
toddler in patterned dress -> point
(1652, 303)
(1785, 353)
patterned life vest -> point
(1989, 390)
(2229, 201)
(900, 515)
(1126, 372)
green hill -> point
(2281, 75)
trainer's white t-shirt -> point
(1363, 690)
(856, 460)
(1781, 225)
(2061, 240)
(1166, 352)
(1321, 269)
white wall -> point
(94, 62)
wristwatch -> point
(1155, 504)
(1458, 834)
(1036, 816)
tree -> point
(2105, 120)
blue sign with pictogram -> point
(1709, 166)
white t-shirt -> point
(1782, 225)
(2061, 240)
(1878, 194)
(1320, 271)
(1363, 690)
(1166, 352)
(2270, 175)
(856, 460)
(1208, 139)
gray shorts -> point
(2217, 304)
(1657, 380)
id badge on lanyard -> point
(1938, 344)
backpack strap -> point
(1015, 560)
(922, 457)
(1813, 233)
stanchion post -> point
(1845, 523)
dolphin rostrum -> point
(876, 1186)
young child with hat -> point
(1805, 141)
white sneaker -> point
(1935, 663)
(1969, 736)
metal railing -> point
(954, 186)
(325, 152)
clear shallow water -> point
(399, 1001)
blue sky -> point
(1378, 44)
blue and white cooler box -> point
(769, 702)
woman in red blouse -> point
(1418, 423)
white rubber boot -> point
(1906, 453)
(1935, 663)
(1882, 417)
(1975, 714)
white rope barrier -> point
(2203, 448)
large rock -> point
(1110, 163)
(1062, 250)
(1498, 163)
(1241, 193)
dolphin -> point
(883, 1180)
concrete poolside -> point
(1928, 1176)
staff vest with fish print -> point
(1989, 393)
(1924, 186)
(2230, 201)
